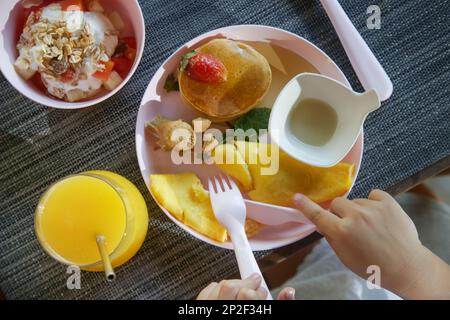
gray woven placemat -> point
(39, 145)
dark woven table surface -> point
(410, 133)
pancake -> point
(248, 80)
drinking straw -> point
(109, 271)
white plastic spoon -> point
(366, 66)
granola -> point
(61, 48)
(71, 50)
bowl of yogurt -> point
(70, 54)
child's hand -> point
(248, 289)
(376, 231)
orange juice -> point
(75, 210)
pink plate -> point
(277, 46)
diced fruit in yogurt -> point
(23, 69)
(130, 42)
(116, 20)
(34, 5)
(36, 80)
(74, 20)
(95, 6)
(68, 76)
(31, 3)
(105, 73)
(130, 53)
(72, 5)
(122, 65)
(113, 81)
(76, 95)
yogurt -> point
(97, 22)
(83, 83)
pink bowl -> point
(10, 12)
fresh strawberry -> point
(37, 81)
(122, 65)
(130, 53)
(105, 73)
(130, 41)
(68, 76)
(205, 68)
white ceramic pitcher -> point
(351, 109)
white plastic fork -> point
(229, 207)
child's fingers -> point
(249, 294)
(286, 294)
(342, 207)
(380, 195)
(364, 202)
(229, 289)
(324, 220)
(205, 294)
(262, 293)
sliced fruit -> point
(36, 80)
(172, 134)
(184, 197)
(277, 177)
(258, 157)
(76, 95)
(130, 42)
(130, 53)
(113, 81)
(230, 161)
(122, 65)
(68, 76)
(105, 73)
(292, 176)
(209, 143)
(95, 6)
(23, 69)
(201, 124)
(116, 20)
(72, 5)
(34, 6)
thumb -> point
(324, 220)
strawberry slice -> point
(68, 76)
(204, 67)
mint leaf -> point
(254, 119)
(171, 83)
(257, 119)
(185, 60)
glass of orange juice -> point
(76, 210)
